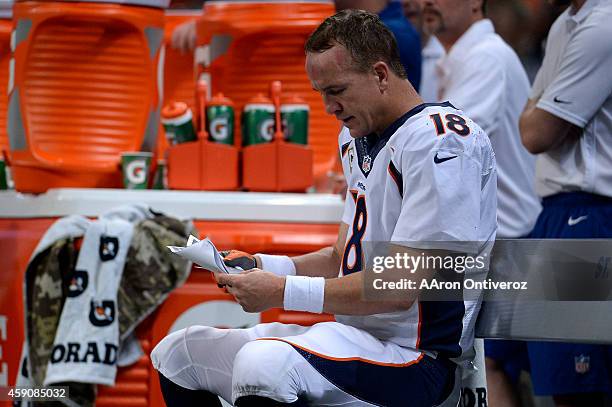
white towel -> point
(69, 226)
(86, 345)
(87, 339)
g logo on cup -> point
(219, 128)
(136, 171)
(266, 129)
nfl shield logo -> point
(367, 163)
(582, 364)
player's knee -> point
(171, 356)
(266, 368)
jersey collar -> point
(369, 146)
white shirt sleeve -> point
(582, 83)
(442, 200)
(477, 88)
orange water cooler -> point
(244, 46)
(85, 89)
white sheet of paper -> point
(204, 254)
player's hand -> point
(236, 258)
(255, 290)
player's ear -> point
(381, 71)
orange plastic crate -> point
(203, 165)
(277, 167)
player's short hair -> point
(483, 8)
(363, 34)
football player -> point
(421, 178)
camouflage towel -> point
(150, 273)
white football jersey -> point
(430, 177)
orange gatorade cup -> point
(177, 119)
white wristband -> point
(279, 265)
(304, 294)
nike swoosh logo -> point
(571, 221)
(439, 160)
(557, 100)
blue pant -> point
(564, 368)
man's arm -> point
(581, 85)
(542, 131)
(322, 263)
(345, 295)
(258, 290)
(325, 262)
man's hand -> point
(184, 37)
(236, 258)
(255, 290)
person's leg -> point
(177, 396)
(202, 357)
(283, 372)
(574, 374)
(504, 362)
(501, 390)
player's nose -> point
(332, 106)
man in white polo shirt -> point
(568, 121)
(482, 75)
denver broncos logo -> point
(109, 247)
(77, 283)
(102, 313)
